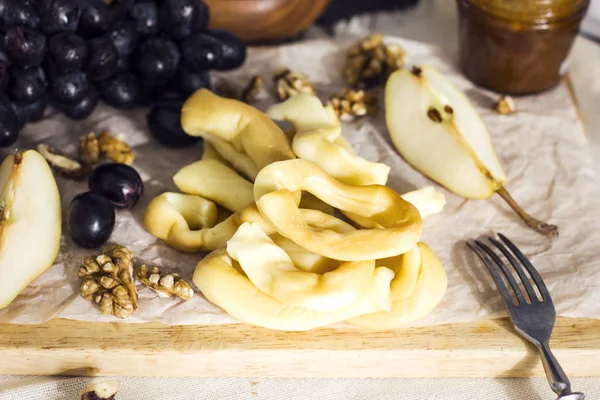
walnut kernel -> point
(351, 104)
(505, 105)
(290, 83)
(165, 284)
(115, 148)
(89, 149)
(108, 281)
(370, 61)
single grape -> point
(69, 89)
(122, 91)
(181, 18)
(124, 37)
(25, 46)
(102, 62)
(119, 183)
(67, 52)
(233, 50)
(17, 12)
(60, 16)
(163, 121)
(157, 61)
(145, 15)
(82, 109)
(95, 18)
(30, 112)
(27, 85)
(201, 52)
(188, 82)
(91, 220)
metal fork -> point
(532, 318)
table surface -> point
(433, 22)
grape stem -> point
(545, 229)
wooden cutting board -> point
(486, 349)
(480, 349)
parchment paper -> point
(543, 149)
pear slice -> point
(30, 217)
(437, 130)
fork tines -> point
(519, 263)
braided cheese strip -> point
(216, 182)
(400, 221)
(222, 281)
(316, 139)
(417, 288)
(241, 134)
(272, 271)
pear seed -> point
(434, 115)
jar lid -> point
(531, 11)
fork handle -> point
(556, 376)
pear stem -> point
(539, 226)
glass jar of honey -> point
(517, 47)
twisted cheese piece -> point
(318, 139)
(418, 286)
(187, 222)
(222, 281)
(216, 182)
(241, 134)
(272, 271)
(398, 223)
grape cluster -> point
(72, 53)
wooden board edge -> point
(485, 349)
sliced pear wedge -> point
(30, 218)
(437, 130)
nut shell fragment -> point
(165, 284)
(251, 92)
(63, 165)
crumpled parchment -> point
(542, 147)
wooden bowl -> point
(265, 20)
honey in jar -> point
(517, 47)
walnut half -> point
(370, 61)
(165, 284)
(108, 281)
